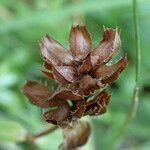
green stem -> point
(135, 98)
(138, 61)
(137, 37)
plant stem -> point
(33, 137)
(138, 61)
(135, 98)
(45, 132)
(137, 37)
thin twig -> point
(33, 137)
(45, 132)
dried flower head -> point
(81, 73)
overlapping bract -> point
(76, 135)
(82, 67)
(81, 72)
(63, 114)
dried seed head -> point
(80, 72)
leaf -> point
(11, 131)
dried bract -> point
(76, 135)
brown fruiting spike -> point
(76, 135)
(81, 72)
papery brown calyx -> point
(40, 95)
(88, 85)
(65, 74)
(54, 52)
(59, 116)
(107, 49)
(94, 107)
(76, 135)
(108, 74)
(37, 93)
(65, 94)
(80, 42)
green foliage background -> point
(23, 23)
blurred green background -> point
(23, 23)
